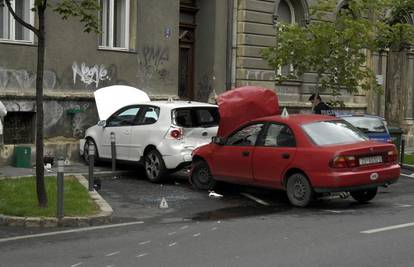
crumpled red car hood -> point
(243, 104)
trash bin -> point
(396, 137)
(22, 157)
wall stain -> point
(23, 79)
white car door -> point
(120, 124)
(146, 129)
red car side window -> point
(246, 136)
(279, 135)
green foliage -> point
(18, 198)
(409, 159)
(86, 10)
(337, 49)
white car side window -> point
(124, 117)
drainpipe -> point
(232, 31)
(229, 46)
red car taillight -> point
(392, 156)
(175, 133)
(344, 162)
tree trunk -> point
(396, 89)
(40, 171)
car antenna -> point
(285, 113)
(170, 99)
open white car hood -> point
(110, 99)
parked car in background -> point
(306, 155)
(374, 127)
(161, 135)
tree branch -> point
(21, 21)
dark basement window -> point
(19, 128)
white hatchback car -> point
(161, 135)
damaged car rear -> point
(160, 135)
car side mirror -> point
(102, 123)
(219, 140)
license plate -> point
(370, 160)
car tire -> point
(201, 177)
(363, 196)
(155, 169)
(299, 191)
(86, 151)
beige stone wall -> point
(255, 31)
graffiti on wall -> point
(90, 74)
(151, 62)
(24, 79)
(79, 121)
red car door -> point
(273, 155)
(233, 161)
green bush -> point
(18, 198)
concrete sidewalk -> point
(73, 169)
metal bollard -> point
(402, 149)
(113, 151)
(60, 185)
(91, 163)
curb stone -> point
(407, 167)
(103, 217)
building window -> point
(286, 14)
(19, 128)
(10, 29)
(115, 24)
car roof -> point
(180, 103)
(297, 118)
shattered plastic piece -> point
(48, 167)
(214, 195)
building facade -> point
(187, 49)
(168, 48)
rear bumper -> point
(176, 152)
(356, 180)
(353, 188)
(176, 161)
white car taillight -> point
(175, 133)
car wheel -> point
(154, 166)
(364, 196)
(201, 176)
(299, 190)
(86, 151)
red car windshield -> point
(333, 133)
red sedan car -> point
(302, 154)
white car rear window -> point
(196, 117)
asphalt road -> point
(235, 230)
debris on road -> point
(213, 194)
